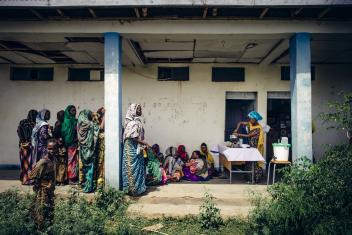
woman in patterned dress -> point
(24, 132)
(133, 167)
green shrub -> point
(111, 201)
(77, 216)
(310, 199)
(209, 214)
(15, 213)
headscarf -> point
(68, 129)
(181, 152)
(156, 148)
(133, 124)
(26, 126)
(255, 115)
(101, 115)
(171, 151)
(32, 115)
(40, 122)
(87, 135)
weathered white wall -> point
(175, 112)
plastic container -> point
(281, 151)
(284, 140)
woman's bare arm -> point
(238, 126)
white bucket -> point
(281, 151)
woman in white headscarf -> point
(40, 135)
(133, 167)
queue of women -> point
(80, 155)
(79, 146)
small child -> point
(44, 187)
(61, 163)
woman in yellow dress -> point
(256, 139)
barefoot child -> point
(44, 187)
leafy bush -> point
(15, 213)
(77, 216)
(209, 214)
(340, 115)
(111, 201)
(311, 199)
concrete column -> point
(301, 96)
(113, 106)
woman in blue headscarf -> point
(40, 135)
(256, 138)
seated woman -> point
(209, 157)
(182, 153)
(196, 169)
(158, 154)
(256, 139)
(173, 165)
(155, 172)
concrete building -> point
(197, 67)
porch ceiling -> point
(144, 49)
(147, 10)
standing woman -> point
(133, 168)
(101, 148)
(69, 135)
(256, 139)
(87, 138)
(61, 157)
(24, 132)
(40, 135)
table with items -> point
(228, 155)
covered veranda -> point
(114, 46)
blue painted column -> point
(301, 96)
(113, 107)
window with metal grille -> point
(227, 74)
(173, 73)
(85, 74)
(285, 73)
(31, 74)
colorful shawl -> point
(40, 122)
(87, 138)
(68, 127)
(154, 171)
(87, 134)
(181, 152)
(133, 124)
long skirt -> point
(133, 169)
(72, 165)
(100, 161)
(26, 162)
(61, 167)
(86, 176)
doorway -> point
(238, 105)
(279, 119)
